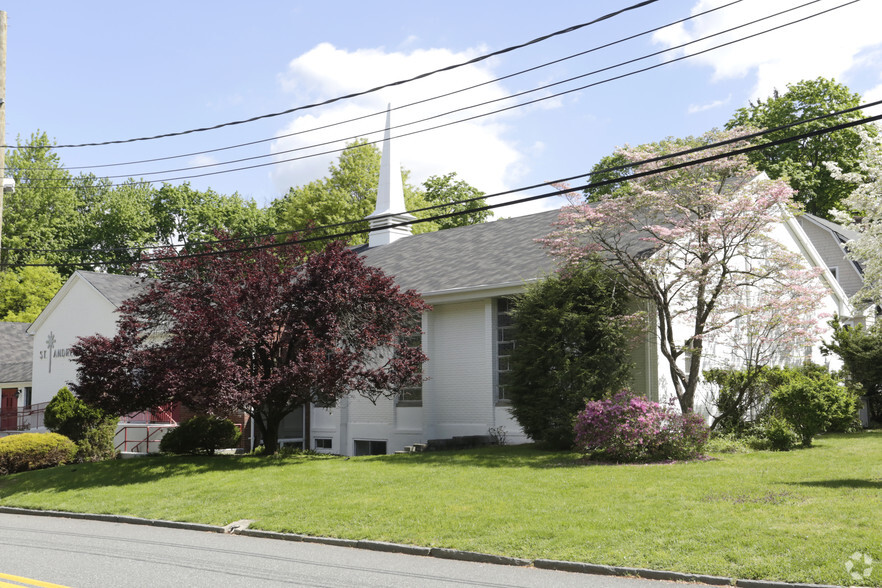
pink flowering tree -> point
(695, 243)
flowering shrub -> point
(628, 428)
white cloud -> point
(479, 150)
(872, 95)
(202, 160)
(696, 108)
(828, 45)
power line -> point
(425, 100)
(628, 166)
(372, 90)
(496, 100)
(630, 176)
(520, 105)
(747, 137)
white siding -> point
(458, 397)
(82, 312)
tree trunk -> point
(307, 426)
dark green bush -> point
(571, 344)
(33, 451)
(90, 428)
(201, 434)
(802, 402)
(741, 398)
(779, 434)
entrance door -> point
(9, 409)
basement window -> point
(369, 447)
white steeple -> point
(391, 209)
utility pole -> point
(2, 123)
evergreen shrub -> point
(572, 343)
(201, 434)
(32, 451)
(92, 429)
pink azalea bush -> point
(630, 428)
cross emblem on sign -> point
(50, 342)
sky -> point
(96, 71)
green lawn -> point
(794, 516)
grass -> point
(795, 516)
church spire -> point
(391, 209)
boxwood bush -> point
(33, 451)
(201, 434)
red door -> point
(9, 409)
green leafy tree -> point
(610, 168)
(349, 194)
(448, 190)
(571, 346)
(184, 214)
(42, 212)
(860, 349)
(117, 221)
(25, 292)
(801, 163)
(90, 428)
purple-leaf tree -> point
(266, 331)
(696, 243)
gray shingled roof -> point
(116, 288)
(497, 253)
(846, 234)
(16, 352)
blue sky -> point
(94, 71)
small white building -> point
(87, 305)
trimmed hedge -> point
(33, 451)
(201, 434)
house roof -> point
(839, 230)
(16, 352)
(498, 253)
(116, 288)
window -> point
(366, 447)
(835, 272)
(28, 397)
(323, 443)
(505, 344)
(413, 395)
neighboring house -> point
(15, 378)
(829, 239)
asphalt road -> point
(81, 553)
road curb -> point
(438, 552)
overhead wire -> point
(740, 138)
(424, 100)
(474, 60)
(504, 98)
(470, 118)
(629, 176)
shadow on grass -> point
(135, 471)
(506, 456)
(857, 484)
